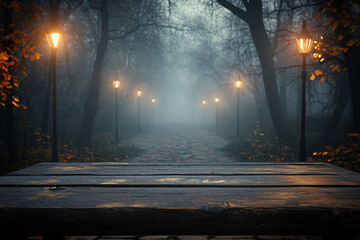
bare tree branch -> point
(235, 10)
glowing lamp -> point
(204, 102)
(116, 83)
(304, 40)
(217, 100)
(153, 100)
(139, 93)
(238, 83)
(53, 39)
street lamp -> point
(304, 42)
(238, 84)
(139, 93)
(153, 109)
(53, 40)
(216, 113)
(116, 86)
(204, 104)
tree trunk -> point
(341, 101)
(283, 91)
(352, 61)
(253, 17)
(92, 99)
(261, 109)
(281, 59)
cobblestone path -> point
(180, 143)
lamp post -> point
(153, 109)
(139, 93)
(116, 86)
(53, 40)
(216, 113)
(304, 42)
(238, 84)
(204, 104)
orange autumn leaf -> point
(351, 42)
(354, 134)
(335, 24)
(336, 68)
(318, 72)
(38, 55)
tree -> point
(343, 52)
(92, 99)
(253, 17)
(17, 44)
(343, 16)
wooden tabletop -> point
(146, 199)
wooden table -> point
(170, 199)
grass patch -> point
(104, 153)
(38, 150)
(258, 146)
(343, 151)
(237, 146)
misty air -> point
(180, 119)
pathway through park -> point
(180, 143)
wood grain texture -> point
(184, 181)
(126, 170)
(167, 163)
(194, 198)
(151, 199)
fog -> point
(179, 53)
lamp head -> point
(53, 39)
(304, 40)
(116, 83)
(139, 93)
(238, 83)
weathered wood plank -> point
(84, 169)
(260, 198)
(205, 181)
(167, 163)
(199, 198)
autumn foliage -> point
(260, 146)
(16, 45)
(346, 154)
(344, 19)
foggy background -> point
(180, 53)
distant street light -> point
(238, 84)
(153, 109)
(216, 113)
(116, 86)
(204, 104)
(53, 40)
(304, 42)
(139, 93)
